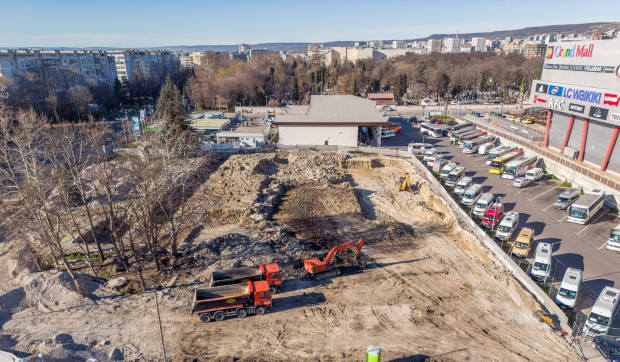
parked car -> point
(527, 121)
(436, 121)
(608, 346)
(493, 216)
(520, 182)
(445, 132)
(451, 123)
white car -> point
(520, 182)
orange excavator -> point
(315, 266)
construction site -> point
(405, 276)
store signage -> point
(555, 90)
(541, 88)
(581, 68)
(618, 71)
(576, 108)
(611, 99)
(598, 113)
(614, 117)
(536, 99)
(556, 103)
(576, 51)
(582, 95)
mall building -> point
(580, 87)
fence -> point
(593, 175)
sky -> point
(153, 23)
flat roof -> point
(336, 110)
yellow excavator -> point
(403, 183)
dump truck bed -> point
(235, 275)
(220, 297)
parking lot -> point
(574, 245)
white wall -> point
(317, 135)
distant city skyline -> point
(158, 23)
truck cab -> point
(272, 275)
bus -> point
(519, 167)
(462, 127)
(497, 164)
(431, 130)
(456, 136)
(471, 146)
(498, 152)
(472, 136)
(586, 206)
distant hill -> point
(566, 28)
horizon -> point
(129, 24)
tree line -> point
(268, 79)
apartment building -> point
(478, 44)
(133, 63)
(433, 46)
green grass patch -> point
(506, 248)
(524, 266)
(553, 177)
(75, 256)
(566, 184)
(490, 232)
(613, 210)
(105, 274)
(276, 138)
(355, 152)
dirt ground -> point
(430, 291)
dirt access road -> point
(430, 290)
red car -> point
(493, 216)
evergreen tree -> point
(170, 107)
(294, 89)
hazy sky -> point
(151, 23)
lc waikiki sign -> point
(576, 51)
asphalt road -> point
(578, 246)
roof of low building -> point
(336, 109)
(376, 96)
(245, 131)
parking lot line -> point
(605, 243)
(545, 209)
(595, 220)
(535, 197)
(562, 219)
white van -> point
(534, 174)
(388, 133)
(419, 148)
(602, 313)
(462, 185)
(428, 154)
(445, 171)
(455, 176)
(438, 164)
(485, 148)
(542, 262)
(507, 226)
(567, 198)
(483, 204)
(472, 194)
(567, 295)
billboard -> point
(590, 63)
(586, 102)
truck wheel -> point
(272, 290)
(242, 313)
(260, 310)
(219, 316)
(205, 317)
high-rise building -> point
(451, 45)
(433, 46)
(398, 44)
(478, 44)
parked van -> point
(462, 185)
(445, 171)
(613, 243)
(523, 243)
(485, 148)
(430, 161)
(455, 176)
(534, 174)
(472, 194)
(567, 295)
(507, 226)
(419, 148)
(388, 133)
(430, 153)
(541, 269)
(493, 215)
(483, 204)
(438, 164)
(602, 313)
(566, 198)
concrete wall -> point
(597, 141)
(317, 135)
